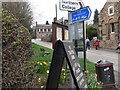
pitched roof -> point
(44, 26)
(109, 1)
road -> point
(45, 44)
(94, 56)
(103, 54)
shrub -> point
(16, 51)
(92, 82)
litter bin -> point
(105, 74)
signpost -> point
(81, 15)
(69, 5)
(65, 49)
(76, 15)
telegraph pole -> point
(56, 10)
(84, 45)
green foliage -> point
(21, 11)
(64, 78)
(16, 51)
(92, 82)
(90, 65)
(91, 32)
(42, 60)
(42, 63)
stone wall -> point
(109, 39)
(110, 44)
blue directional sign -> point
(81, 15)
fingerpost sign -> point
(81, 15)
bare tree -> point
(21, 11)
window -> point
(112, 27)
(44, 30)
(41, 30)
(48, 30)
(111, 10)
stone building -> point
(43, 30)
(109, 24)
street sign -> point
(68, 5)
(81, 15)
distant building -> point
(109, 24)
(43, 30)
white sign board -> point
(59, 33)
(69, 5)
(66, 35)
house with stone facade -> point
(43, 30)
(109, 24)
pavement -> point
(94, 56)
(45, 44)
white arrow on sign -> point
(70, 5)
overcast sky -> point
(45, 9)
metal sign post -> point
(82, 15)
(84, 46)
(74, 18)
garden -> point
(40, 64)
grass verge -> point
(41, 64)
(89, 65)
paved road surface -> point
(45, 44)
(96, 55)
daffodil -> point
(45, 63)
(39, 79)
(47, 71)
(63, 69)
(64, 76)
(40, 63)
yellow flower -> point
(39, 79)
(41, 64)
(64, 76)
(86, 72)
(47, 71)
(45, 63)
(63, 69)
(63, 73)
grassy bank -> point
(41, 64)
(89, 65)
